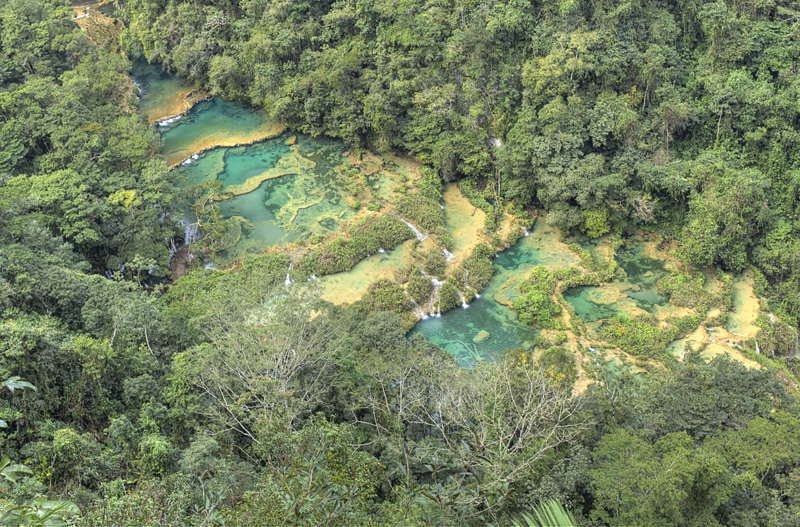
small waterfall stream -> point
(416, 232)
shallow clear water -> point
(302, 194)
(456, 330)
(162, 95)
(234, 166)
(637, 291)
(287, 192)
(214, 123)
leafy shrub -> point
(639, 336)
(479, 267)
(385, 295)
(596, 222)
(435, 263)
(688, 291)
(685, 324)
(422, 211)
(478, 199)
(534, 305)
(364, 238)
(420, 288)
(448, 297)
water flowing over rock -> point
(418, 310)
(437, 284)
(464, 304)
(416, 232)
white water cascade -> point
(437, 284)
(525, 232)
(418, 310)
(477, 295)
(448, 255)
(464, 304)
(416, 232)
(288, 281)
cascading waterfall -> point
(288, 281)
(416, 232)
(477, 295)
(418, 310)
(464, 304)
(380, 250)
(448, 255)
(437, 284)
(525, 232)
(189, 232)
(169, 120)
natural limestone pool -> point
(633, 292)
(162, 96)
(488, 327)
(287, 190)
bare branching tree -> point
(268, 358)
(495, 423)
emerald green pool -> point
(287, 188)
(637, 290)
(305, 197)
(457, 330)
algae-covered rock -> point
(481, 336)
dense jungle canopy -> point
(228, 398)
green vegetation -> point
(435, 263)
(364, 238)
(422, 211)
(640, 336)
(420, 288)
(669, 114)
(479, 267)
(688, 291)
(534, 305)
(387, 296)
(481, 201)
(448, 296)
(604, 268)
(232, 398)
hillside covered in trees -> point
(128, 397)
